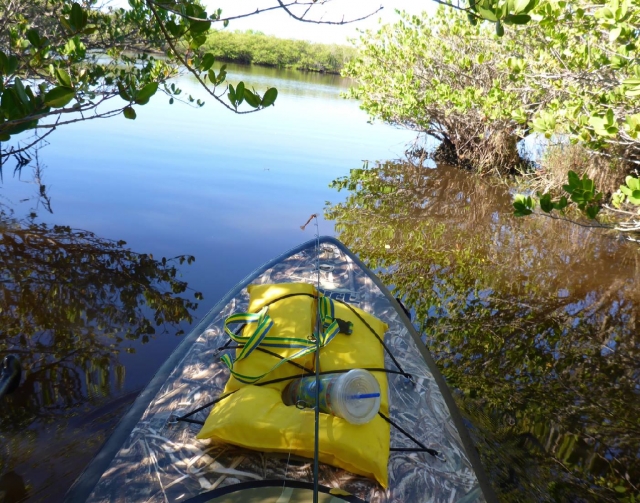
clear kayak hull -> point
(151, 457)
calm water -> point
(230, 190)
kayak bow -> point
(153, 457)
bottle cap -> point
(356, 396)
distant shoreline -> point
(312, 70)
(256, 48)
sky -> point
(279, 23)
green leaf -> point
(63, 77)
(632, 182)
(76, 17)
(521, 211)
(4, 62)
(487, 14)
(251, 98)
(633, 92)
(232, 95)
(519, 116)
(545, 203)
(24, 126)
(499, 29)
(574, 179)
(207, 63)
(592, 211)
(129, 113)
(605, 13)
(123, 92)
(587, 184)
(144, 94)
(632, 87)
(59, 96)
(198, 27)
(222, 75)
(33, 37)
(269, 97)
(523, 205)
(173, 28)
(598, 123)
(561, 204)
(517, 19)
(617, 199)
(65, 23)
(614, 34)
(11, 106)
(12, 64)
(610, 118)
(240, 93)
(20, 91)
(518, 6)
(620, 489)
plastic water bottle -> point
(353, 396)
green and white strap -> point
(259, 337)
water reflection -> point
(534, 322)
(69, 302)
(289, 82)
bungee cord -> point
(316, 446)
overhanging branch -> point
(302, 18)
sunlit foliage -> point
(442, 76)
(257, 48)
(561, 68)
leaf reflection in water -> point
(533, 322)
(68, 302)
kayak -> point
(154, 453)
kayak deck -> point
(153, 458)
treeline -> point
(252, 47)
(573, 76)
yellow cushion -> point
(292, 317)
(255, 416)
(361, 349)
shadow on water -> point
(70, 302)
(534, 323)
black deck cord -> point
(423, 448)
(377, 337)
(273, 381)
(400, 371)
(359, 317)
